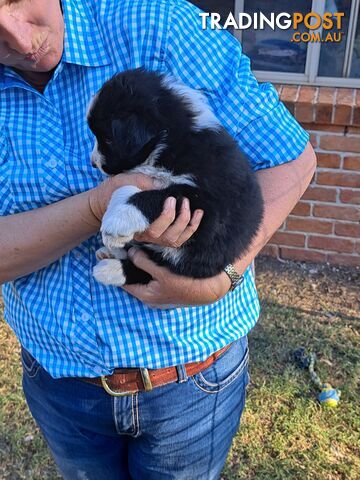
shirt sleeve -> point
(212, 61)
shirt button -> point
(77, 255)
(85, 317)
(52, 163)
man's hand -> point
(169, 233)
(168, 290)
(163, 231)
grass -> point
(285, 433)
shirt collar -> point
(83, 42)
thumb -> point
(142, 261)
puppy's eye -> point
(108, 142)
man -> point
(172, 422)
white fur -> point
(104, 253)
(154, 155)
(173, 255)
(109, 272)
(122, 220)
(204, 117)
(97, 158)
(163, 178)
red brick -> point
(348, 230)
(304, 112)
(332, 244)
(349, 195)
(325, 105)
(324, 127)
(328, 160)
(283, 238)
(307, 94)
(324, 113)
(340, 179)
(340, 143)
(345, 96)
(270, 250)
(323, 194)
(290, 106)
(342, 114)
(356, 118)
(353, 130)
(344, 104)
(304, 107)
(351, 260)
(352, 163)
(357, 247)
(302, 209)
(342, 213)
(309, 225)
(279, 88)
(289, 93)
(327, 95)
(314, 140)
(302, 254)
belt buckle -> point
(145, 376)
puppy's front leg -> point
(122, 219)
(131, 211)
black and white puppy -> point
(152, 123)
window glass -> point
(273, 50)
(355, 64)
(332, 55)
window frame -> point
(311, 77)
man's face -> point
(31, 34)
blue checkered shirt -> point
(71, 324)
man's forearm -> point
(282, 187)
(32, 240)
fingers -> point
(139, 291)
(171, 236)
(142, 261)
(191, 228)
(158, 227)
(167, 232)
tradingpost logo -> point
(283, 21)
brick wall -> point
(325, 225)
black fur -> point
(132, 114)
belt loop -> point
(181, 373)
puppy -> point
(152, 123)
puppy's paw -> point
(103, 253)
(119, 228)
(110, 272)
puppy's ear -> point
(132, 135)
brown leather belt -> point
(127, 381)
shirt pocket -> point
(6, 198)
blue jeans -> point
(179, 431)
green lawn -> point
(285, 433)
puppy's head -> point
(125, 118)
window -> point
(276, 58)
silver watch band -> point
(235, 277)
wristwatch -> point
(235, 277)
